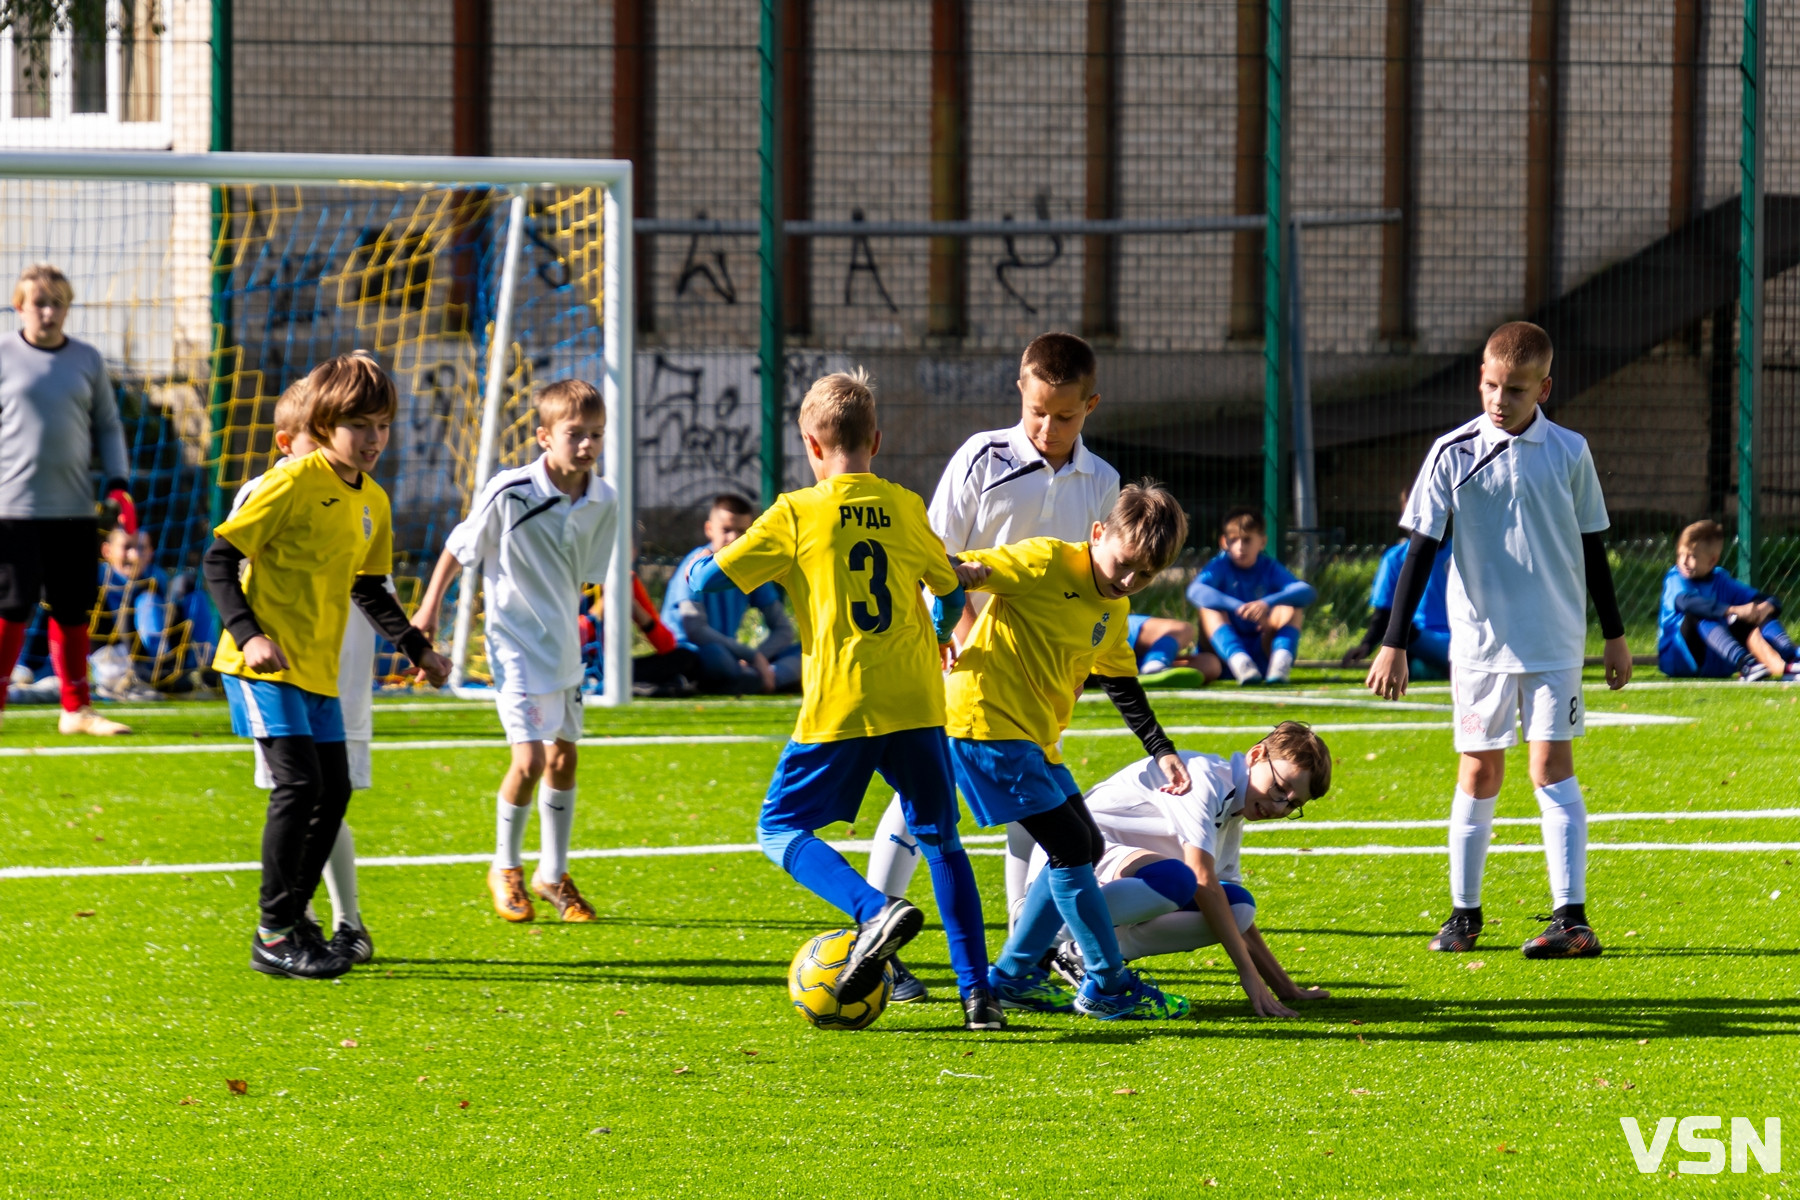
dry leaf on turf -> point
(1359, 1091)
(462, 1104)
(1356, 1020)
(238, 1087)
(420, 1079)
(1503, 1148)
(752, 1053)
(681, 1070)
(968, 1054)
(1626, 1087)
(84, 912)
(348, 1043)
(1476, 965)
(188, 1100)
(1599, 1082)
(598, 1129)
(619, 1012)
(1124, 1091)
(1359, 1040)
(1209, 1181)
(1643, 1041)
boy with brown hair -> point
(537, 533)
(852, 551)
(1251, 606)
(1058, 615)
(1528, 555)
(317, 537)
(1711, 626)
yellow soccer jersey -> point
(851, 552)
(307, 535)
(1046, 631)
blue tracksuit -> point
(1223, 586)
(1695, 636)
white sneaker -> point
(86, 720)
(1243, 668)
(1281, 663)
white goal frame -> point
(612, 176)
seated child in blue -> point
(1250, 605)
(707, 624)
(1712, 626)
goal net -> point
(223, 279)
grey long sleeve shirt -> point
(57, 413)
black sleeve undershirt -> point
(1378, 623)
(1415, 573)
(220, 570)
(1600, 586)
(1128, 696)
(378, 604)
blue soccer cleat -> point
(1140, 1000)
(1033, 991)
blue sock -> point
(1161, 653)
(959, 906)
(823, 871)
(1084, 911)
(1286, 638)
(1226, 642)
(1034, 930)
(1719, 639)
(1777, 637)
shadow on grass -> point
(665, 971)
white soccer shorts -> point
(1488, 705)
(544, 717)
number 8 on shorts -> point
(1490, 705)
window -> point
(64, 91)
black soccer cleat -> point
(297, 956)
(352, 943)
(879, 939)
(1458, 934)
(1564, 938)
(907, 988)
(1065, 959)
(981, 1011)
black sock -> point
(1571, 914)
(1474, 914)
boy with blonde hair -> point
(538, 533)
(1251, 606)
(852, 552)
(1528, 555)
(317, 537)
(1058, 615)
(1711, 626)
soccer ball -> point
(812, 984)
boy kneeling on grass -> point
(1170, 870)
(1712, 626)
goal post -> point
(212, 281)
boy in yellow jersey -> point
(1059, 614)
(317, 537)
(852, 553)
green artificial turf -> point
(655, 1052)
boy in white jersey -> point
(1036, 479)
(356, 680)
(1170, 870)
(538, 533)
(1528, 511)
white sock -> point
(1131, 900)
(1471, 829)
(509, 832)
(1018, 870)
(895, 854)
(1281, 663)
(1565, 840)
(1243, 667)
(556, 817)
(340, 880)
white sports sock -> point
(340, 880)
(1131, 900)
(556, 817)
(894, 856)
(1471, 829)
(1565, 840)
(509, 832)
(1243, 668)
(1281, 664)
(1018, 869)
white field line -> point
(1722, 814)
(1273, 696)
(850, 847)
(113, 749)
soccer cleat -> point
(907, 988)
(296, 956)
(1457, 934)
(982, 1011)
(1243, 669)
(1563, 939)
(1033, 992)
(86, 720)
(1065, 960)
(1140, 1000)
(1752, 672)
(877, 940)
(569, 904)
(507, 885)
(352, 943)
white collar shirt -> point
(536, 546)
(1130, 811)
(998, 489)
(1517, 591)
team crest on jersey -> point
(368, 524)
(1100, 628)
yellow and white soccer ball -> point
(812, 984)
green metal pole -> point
(1750, 281)
(1275, 284)
(771, 252)
(219, 395)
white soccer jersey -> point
(1517, 595)
(998, 489)
(1132, 812)
(536, 547)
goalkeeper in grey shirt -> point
(57, 413)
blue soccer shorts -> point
(263, 708)
(1003, 782)
(820, 783)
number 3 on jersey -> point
(870, 555)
